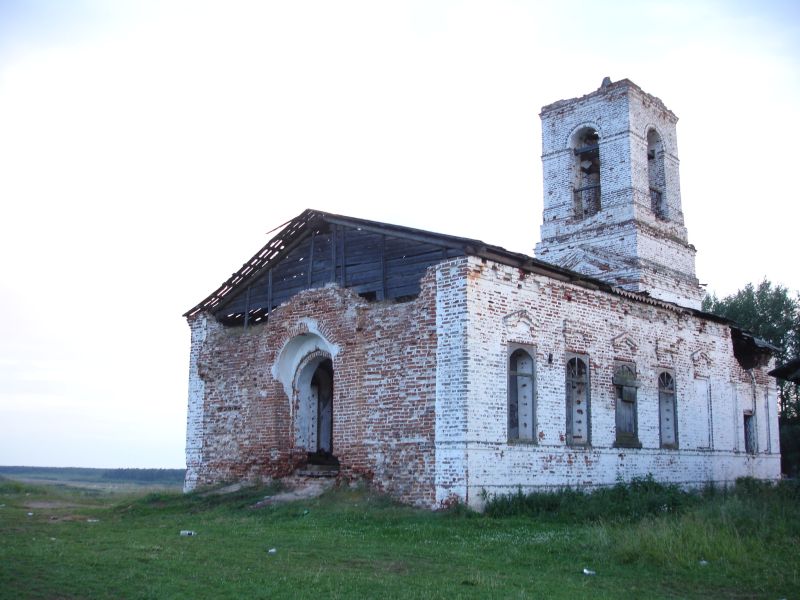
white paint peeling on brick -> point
(296, 349)
(194, 419)
(496, 466)
(451, 478)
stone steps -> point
(318, 471)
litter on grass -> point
(188, 533)
(272, 551)
(588, 571)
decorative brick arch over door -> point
(305, 369)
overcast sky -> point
(146, 149)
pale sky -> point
(147, 147)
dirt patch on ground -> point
(65, 518)
(298, 490)
(47, 504)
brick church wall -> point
(240, 426)
(556, 319)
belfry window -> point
(521, 396)
(586, 194)
(578, 424)
(668, 422)
(625, 390)
(655, 174)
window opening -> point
(521, 396)
(655, 173)
(749, 433)
(577, 402)
(625, 387)
(586, 194)
(667, 411)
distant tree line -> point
(771, 313)
(85, 474)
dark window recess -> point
(655, 174)
(625, 386)
(749, 434)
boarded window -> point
(625, 386)
(668, 421)
(577, 387)
(521, 396)
(749, 433)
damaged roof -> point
(286, 243)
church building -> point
(438, 368)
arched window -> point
(521, 396)
(625, 387)
(655, 174)
(578, 425)
(586, 195)
(668, 420)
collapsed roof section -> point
(788, 371)
(749, 350)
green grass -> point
(351, 543)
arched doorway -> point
(313, 420)
(322, 388)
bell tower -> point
(612, 199)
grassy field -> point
(69, 542)
(97, 478)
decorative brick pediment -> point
(575, 336)
(701, 362)
(666, 352)
(592, 261)
(624, 344)
(519, 326)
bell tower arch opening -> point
(586, 190)
(655, 174)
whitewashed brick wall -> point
(506, 306)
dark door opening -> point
(322, 389)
